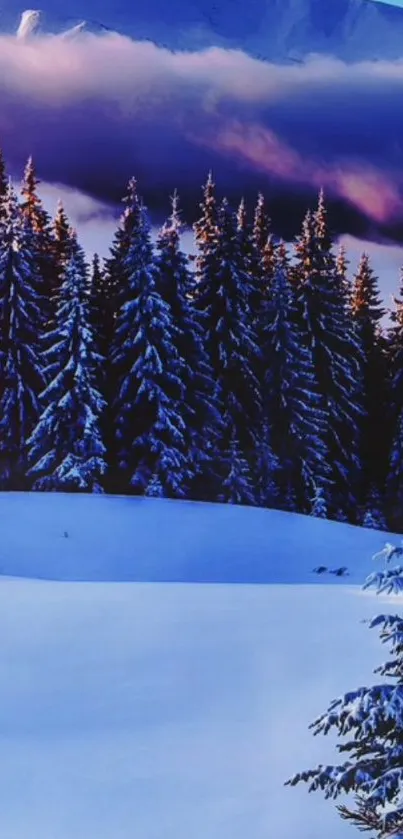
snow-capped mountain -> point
(270, 29)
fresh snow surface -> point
(144, 694)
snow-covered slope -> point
(162, 710)
(272, 29)
(150, 540)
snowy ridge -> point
(275, 30)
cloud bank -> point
(96, 110)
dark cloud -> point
(97, 110)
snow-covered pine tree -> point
(261, 227)
(155, 488)
(115, 279)
(43, 244)
(319, 504)
(232, 339)
(342, 264)
(329, 334)
(102, 321)
(266, 469)
(116, 270)
(20, 358)
(206, 262)
(395, 384)
(66, 450)
(292, 404)
(263, 262)
(369, 722)
(64, 241)
(150, 431)
(237, 486)
(367, 313)
(199, 410)
(3, 188)
(373, 512)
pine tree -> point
(367, 312)
(266, 470)
(113, 292)
(370, 723)
(261, 227)
(155, 488)
(66, 450)
(395, 413)
(206, 262)
(116, 266)
(237, 485)
(64, 239)
(335, 352)
(42, 240)
(3, 189)
(263, 262)
(233, 340)
(291, 400)
(319, 505)
(64, 243)
(199, 410)
(20, 359)
(342, 264)
(222, 297)
(102, 320)
(151, 434)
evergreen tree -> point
(42, 240)
(341, 272)
(232, 338)
(3, 189)
(335, 352)
(223, 289)
(66, 450)
(319, 505)
(199, 410)
(254, 259)
(206, 262)
(370, 723)
(64, 243)
(261, 227)
(266, 470)
(155, 488)
(117, 270)
(237, 485)
(102, 322)
(263, 262)
(64, 240)
(395, 413)
(151, 434)
(291, 399)
(367, 312)
(20, 359)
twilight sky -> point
(95, 111)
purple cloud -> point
(96, 110)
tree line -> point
(250, 372)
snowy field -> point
(160, 664)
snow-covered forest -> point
(252, 372)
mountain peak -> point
(273, 30)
